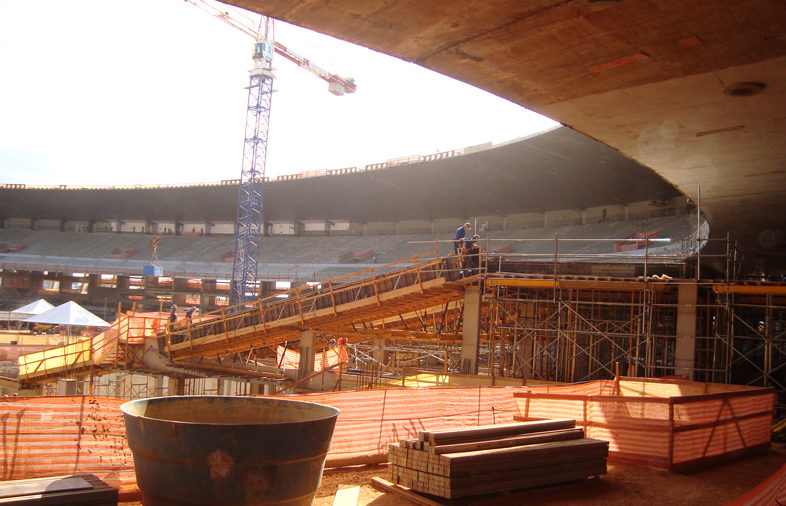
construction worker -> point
(190, 314)
(172, 317)
(461, 232)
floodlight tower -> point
(249, 224)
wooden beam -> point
(402, 491)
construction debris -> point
(496, 458)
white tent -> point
(71, 314)
(34, 308)
(18, 315)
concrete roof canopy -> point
(694, 90)
(536, 174)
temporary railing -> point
(669, 424)
(655, 251)
(109, 348)
(55, 361)
(302, 303)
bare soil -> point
(623, 485)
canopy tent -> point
(18, 315)
(71, 314)
(34, 308)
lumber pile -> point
(496, 458)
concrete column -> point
(66, 387)
(158, 386)
(471, 325)
(306, 367)
(686, 329)
(116, 386)
(379, 353)
(176, 386)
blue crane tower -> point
(249, 225)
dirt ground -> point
(622, 485)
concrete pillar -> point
(176, 386)
(116, 386)
(471, 325)
(158, 386)
(66, 387)
(379, 353)
(686, 329)
(306, 367)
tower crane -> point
(249, 225)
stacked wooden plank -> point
(495, 458)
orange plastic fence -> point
(770, 491)
(669, 424)
(46, 436)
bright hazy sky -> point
(153, 92)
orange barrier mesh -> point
(668, 424)
(46, 436)
(770, 491)
(370, 419)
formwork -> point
(669, 424)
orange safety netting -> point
(660, 423)
(770, 491)
(46, 436)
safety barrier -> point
(667, 424)
(46, 436)
(770, 491)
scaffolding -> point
(555, 319)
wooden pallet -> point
(495, 458)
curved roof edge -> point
(557, 169)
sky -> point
(113, 93)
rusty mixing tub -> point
(228, 450)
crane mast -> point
(249, 223)
(248, 226)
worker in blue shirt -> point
(460, 233)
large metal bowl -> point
(228, 450)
